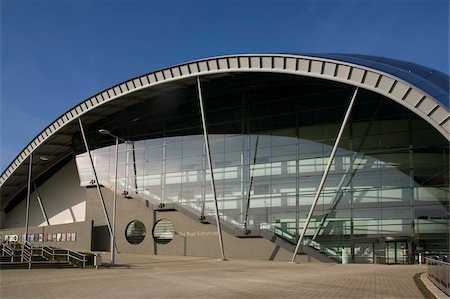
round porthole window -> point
(135, 232)
(163, 231)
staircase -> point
(25, 256)
(276, 234)
(38, 262)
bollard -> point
(97, 260)
(345, 256)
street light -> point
(113, 237)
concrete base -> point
(431, 287)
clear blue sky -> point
(56, 53)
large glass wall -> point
(270, 138)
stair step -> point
(36, 265)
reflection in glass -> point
(163, 231)
(135, 232)
(389, 178)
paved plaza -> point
(139, 276)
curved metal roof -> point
(432, 81)
(423, 92)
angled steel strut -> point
(208, 154)
(250, 187)
(325, 174)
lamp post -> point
(113, 236)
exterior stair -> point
(241, 233)
(38, 262)
(25, 256)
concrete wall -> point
(192, 238)
(62, 197)
(81, 229)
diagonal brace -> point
(325, 174)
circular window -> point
(135, 232)
(163, 231)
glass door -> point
(396, 252)
(390, 253)
(401, 253)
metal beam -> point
(339, 193)
(113, 239)
(38, 197)
(325, 174)
(134, 167)
(208, 154)
(27, 215)
(100, 195)
(250, 186)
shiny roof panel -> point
(431, 81)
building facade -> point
(257, 140)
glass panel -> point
(270, 145)
(402, 253)
(364, 253)
(163, 231)
(391, 253)
(135, 232)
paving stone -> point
(139, 276)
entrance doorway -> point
(396, 252)
(381, 250)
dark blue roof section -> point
(432, 82)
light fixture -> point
(104, 132)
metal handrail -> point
(306, 241)
(27, 253)
(328, 251)
(9, 250)
(439, 274)
(47, 252)
(69, 254)
(72, 254)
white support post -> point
(38, 198)
(27, 212)
(208, 154)
(252, 172)
(113, 239)
(325, 174)
(102, 201)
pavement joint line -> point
(173, 276)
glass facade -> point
(385, 199)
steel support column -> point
(113, 239)
(102, 201)
(38, 197)
(325, 174)
(252, 171)
(27, 212)
(208, 154)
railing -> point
(284, 234)
(439, 274)
(8, 250)
(64, 255)
(76, 257)
(326, 250)
(27, 253)
(306, 241)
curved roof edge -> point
(390, 85)
(433, 82)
